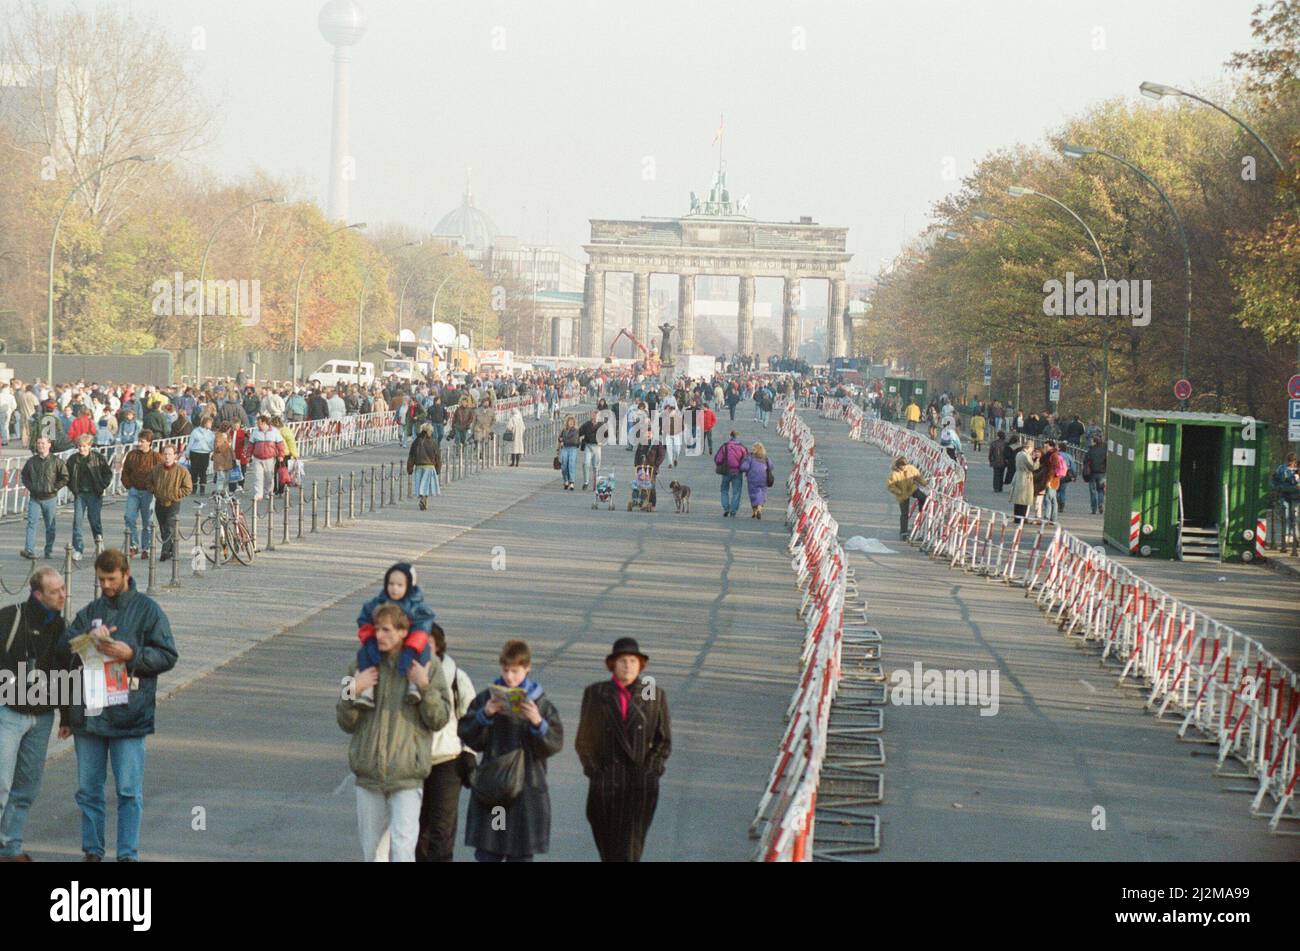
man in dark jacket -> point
(1094, 473)
(624, 741)
(88, 476)
(43, 476)
(317, 407)
(134, 643)
(136, 469)
(997, 459)
(29, 636)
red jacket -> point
(82, 425)
(710, 419)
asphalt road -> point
(255, 744)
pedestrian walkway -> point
(1066, 751)
(1260, 603)
(710, 600)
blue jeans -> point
(1049, 505)
(23, 741)
(731, 484)
(139, 508)
(46, 510)
(1097, 492)
(764, 415)
(90, 504)
(439, 432)
(127, 756)
(569, 463)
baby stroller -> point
(605, 485)
(643, 489)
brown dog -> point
(681, 496)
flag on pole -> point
(717, 136)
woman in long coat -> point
(524, 830)
(624, 740)
(1022, 484)
(756, 466)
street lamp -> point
(1019, 191)
(402, 296)
(54, 240)
(1158, 90)
(203, 267)
(1079, 151)
(361, 305)
(297, 287)
(433, 318)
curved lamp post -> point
(1079, 151)
(1018, 191)
(203, 267)
(1160, 90)
(297, 288)
(402, 296)
(54, 240)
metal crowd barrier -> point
(784, 821)
(1239, 696)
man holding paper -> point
(128, 633)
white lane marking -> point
(1091, 688)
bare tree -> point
(88, 88)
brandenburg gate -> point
(715, 237)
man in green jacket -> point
(43, 476)
(392, 742)
(132, 639)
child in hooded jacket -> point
(400, 589)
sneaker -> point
(28, 553)
(135, 550)
(91, 857)
(412, 693)
(125, 858)
(49, 555)
(366, 699)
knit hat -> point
(405, 568)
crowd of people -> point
(420, 733)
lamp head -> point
(1017, 191)
(143, 158)
(1077, 151)
(952, 235)
(980, 215)
(1157, 90)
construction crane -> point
(651, 364)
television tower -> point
(342, 23)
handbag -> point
(555, 463)
(500, 781)
(771, 479)
(509, 435)
(467, 759)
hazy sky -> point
(840, 109)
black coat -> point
(623, 760)
(526, 829)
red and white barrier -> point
(1225, 684)
(784, 822)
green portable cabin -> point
(1187, 486)
(906, 389)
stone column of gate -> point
(837, 317)
(685, 313)
(790, 319)
(745, 315)
(641, 307)
(575, 337)
(593, 311)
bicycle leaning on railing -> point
(232, 537)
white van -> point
(337, 372)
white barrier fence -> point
(784, 822)
(1235, 693)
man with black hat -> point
(624, 741)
